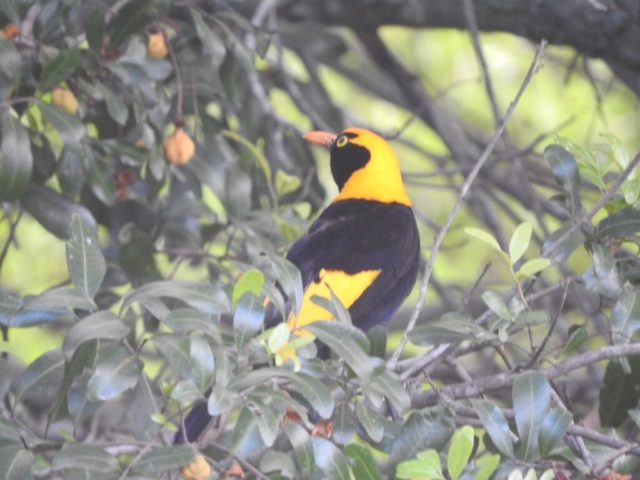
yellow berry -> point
(198, 469)
(178, 147)
(157, 48)
(64, 98)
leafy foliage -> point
(160, 142)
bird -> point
(364, 246)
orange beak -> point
(324, 139)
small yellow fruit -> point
(64, 98)
(157, 48)
(178, 147)
(198, 469)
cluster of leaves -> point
(138, 349)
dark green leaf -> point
(625, 316)
(41, 377)
(163, 459)
(620, 392)
(16, 463)
(85, 261)
(370, 421)
(577, 336)
(247, 319)
(565, 171)
(201, 362)
(176, 349)
(10, 66)
(330, 459)
(186, 319)
(61, 297)
(204, 297)
(277, 464)
(532, 317)
(70, 128)
(568, 246)
(553, 427)
(391, 387)
(531, 397)
(94, 28)
(102, 324)
(84, 456)
(378, 340)
(621, 224)
(364, 465)
(186, 391)
(289, 278)
(210, 40)
(59, 69)
(115, 105)
(268, 422)
(422, 431)
(79, 406)
(348, 342)
(451, 328)
(344, 424)
(301, 443)
(245, 437)
(131, 19)
(496, 425)
(603, 277)
(220, 399)
(16, 160)
(117, 371)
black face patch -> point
(347, 159)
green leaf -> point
(530, 268)
(84, 456)
(16, 463)
(620, 392)
(565, 171)
(330, 459)
(186, 391)
(531, 396)
(577, 336)
(79, 406)
(131, 19)
(496, 425)
(204, 297)
(422, 431)
(485, 237)
(245, 437)
(451, 328)
(344, 424)
(532, 317)
(163, 459)
(85, 261)
(10, 66)
(602, 278)
(279, 337)
(116, 107)
(377, 336)
(268, 422)
(363, 464)
(290, 280)
(497, 305)
(520, 241)
(188, 320)
(247, 319)
(370, 421)
(487, 467)
(301, 443)
(16, 159)
(553, 427)
(117, 371)
(176, 350)
(59, 69)
(202, 363)
(70, 128)
(41, 377)
(625, 316)
(220, 399)
(621, 224)
(348, 342)
(94, 28)
(391, 387)
(261, 160)
(251, 281)
(286, 183)
(568, 246)
(427, 465)
(211, 41)
(459, 451)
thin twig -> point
(463, 193)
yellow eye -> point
(342, 141)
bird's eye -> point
(342, 141)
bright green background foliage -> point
(131, 286)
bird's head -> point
(363, 165)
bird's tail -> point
(195, 423)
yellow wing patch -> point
(348, 288)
